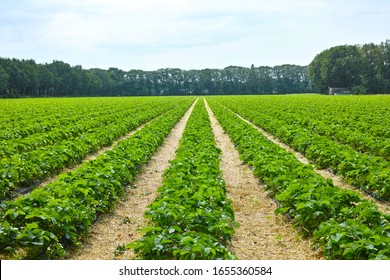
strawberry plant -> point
(369, 172)
(314, 203)
(191, 218)
(50, 220)
(31, 159)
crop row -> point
(369, 173)
(366, 114)
(20, 118)
(79, 126)
(191, 218)
(29, 168)
(48, 221)
(343, 224)
(339, 122)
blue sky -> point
(187, 34)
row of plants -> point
(365, 143)
(342, 224)
(49, 221)
(77, 125)
(191, 218)
(360, 122)
(366, 114)
(366, 172)
(20, 118)
(28, 169)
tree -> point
(3, 82)
(46, 80)
(253, 80)
(338, 66)
(373, 68)
(385, 48)
(317, 70)
(265, 80)
(27, 78)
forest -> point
(363, 69)
(20, 78)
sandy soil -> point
(122, 225)
(262, 234)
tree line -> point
(359, 68)
(22, 78)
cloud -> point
(158, 33)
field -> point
(221, 177)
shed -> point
(338, 91)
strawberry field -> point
(53, 192)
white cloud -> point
(185, 33)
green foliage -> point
(360, 89)
(192, 218)
(315, 204)
(22, 78)
(331, 132)
(45, 139)
(362, 68)
(48, 221)
(171, 243)
(354, 240)
(336, 67)
(120, 250)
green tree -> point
(46, 80)
(265, 80)
(317, 71)
(3, 82)
(385, 47)
(253, 80)
(373, 68)
(338, 66)
(31, 74)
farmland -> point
(68, 164)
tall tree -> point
(27, 78)
(338, 66)
(385, 47)
(265, 81)
(3, 82)
(373, 68)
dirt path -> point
(337, 180)
(262, 234)
(121, 226)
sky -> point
(186, 34)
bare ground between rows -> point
(337, 180)
(262, 234)
(122, 225)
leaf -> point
(336, 237)
(281, 210)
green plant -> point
(343, 224)
(48, 221)
(191, 218)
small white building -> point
(338, 91)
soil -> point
(123, 224)
(262, 235)
(338, 181)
